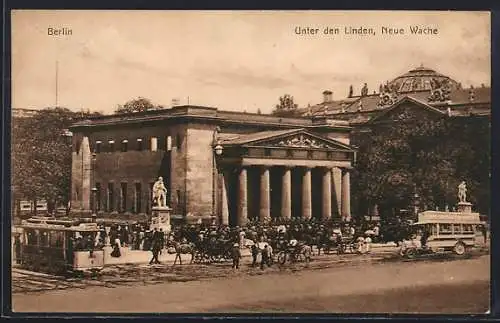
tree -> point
(137, 105)
(431, 155)
(286, 107)
(41, 155)
(258, 111)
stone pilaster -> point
(224, 204)
(86, 176)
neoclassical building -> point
(229, 165)
(237, 166)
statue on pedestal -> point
(160, 193)
(462, 192)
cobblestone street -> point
(218, 288)
(24, 281)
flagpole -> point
(57, 81)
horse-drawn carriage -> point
(202, 250)
(293, 251)
(213, 250)
(336, 242)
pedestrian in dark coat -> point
(265, 257)
(236, 255)
(255, 252)
(155, 247)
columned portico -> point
(306, 194)
(265, 196)
(288, 175)
(286, 194)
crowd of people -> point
(298, 229)
(261, 238)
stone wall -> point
(342, 137)
(132, 167)
(199, 171)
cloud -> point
(232, 59)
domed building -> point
(423, 87)
(421, 93)
(420, 79)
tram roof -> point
(449, 221)
(58, 224)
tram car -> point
(60, 246)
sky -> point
(239, 61)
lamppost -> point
(416, 203)
(217, 152)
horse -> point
(181, 248)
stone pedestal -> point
(464, 207)
(161, 218)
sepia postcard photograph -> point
(250, 162)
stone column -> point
(224, 204)
(346, 195)
(286, 195)
(265, 196)
(306, 194)
(242, 203)
(327, 194)
(337, 187)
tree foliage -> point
(286, 107)
(41, 155)
(425, 155)
(137, 105)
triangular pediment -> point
(406, 109)
(299, 138)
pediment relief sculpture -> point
(404, 114)
(302, 141)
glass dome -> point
(419, 79)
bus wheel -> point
(410, 253)
(459, 248)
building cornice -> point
(186, 114)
